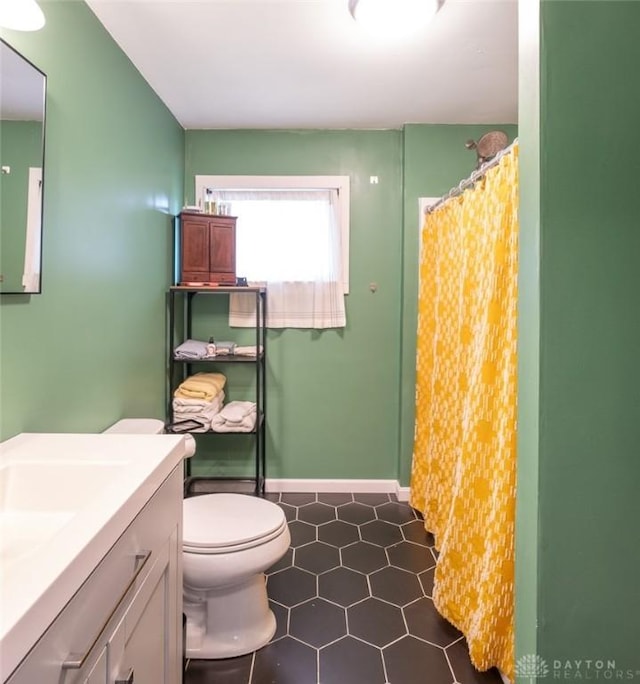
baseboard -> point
(331, 485)
(402, 492)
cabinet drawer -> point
(194, 277)
(223, 278)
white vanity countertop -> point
(65, 499)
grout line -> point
(288, 621)
(253, 662)
(433, 643)
(453, 674)
(367, 574)
(346, 621)
(384, 665)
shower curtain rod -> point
(471, 180)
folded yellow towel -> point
(204, 386)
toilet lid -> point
(229, 522)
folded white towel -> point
(237, 411)
(250, 350)
(197, 409)
(236, 416)
(183, 404)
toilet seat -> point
(226, 523)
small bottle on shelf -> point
(209, 202)
(211, 347)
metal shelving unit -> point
(179, 369)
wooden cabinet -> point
(207, 249)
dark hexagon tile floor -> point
(352, 601)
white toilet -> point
(229, 540)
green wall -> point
(435, 159)
(588, 543)
(341, 403)
(332, 395)
(20, 148)
(90, 349)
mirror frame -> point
(4, 44)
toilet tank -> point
(148, 426)
(137, 426)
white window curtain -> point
(289, 241)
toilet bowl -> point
(229, 540)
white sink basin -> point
(54, 485)
(38, 498)
(23, 532)
(64, 501)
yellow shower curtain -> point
(463, 473)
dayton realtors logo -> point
(534, 667)
(531, 667)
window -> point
(292, 233)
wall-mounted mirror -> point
(22, 108)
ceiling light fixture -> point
(393, 17)
(21, 15)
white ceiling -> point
(306, 64)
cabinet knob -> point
(127, 680)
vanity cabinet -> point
(207, 249)
(124, 624)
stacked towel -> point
(203, 386)
(250, 350)
(191, 349)
(236, 416)
(197, 409)
(199, 398)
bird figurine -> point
(488, 146)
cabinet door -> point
(140, 649)
(223, 247)
(195, 247)
(143, 656)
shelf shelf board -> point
(195, 485)
(214, 289)
(213, 432)
(223, 358)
